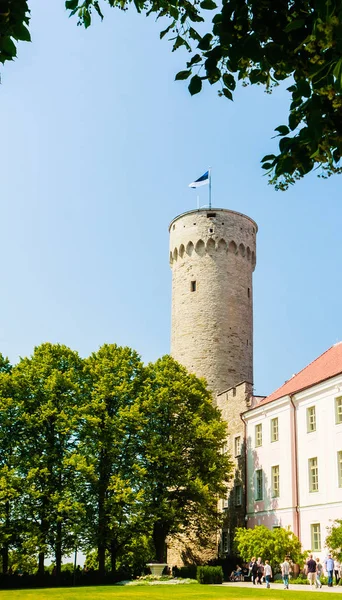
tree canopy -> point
(106, 455)
(334, 539)
(271, 544)
(258, 42)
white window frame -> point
(237, 445)
(313, 474)
(339, 468)
(316, 544)
(311, 419)
(274, 429)
(338, 410)
(258, 435)
(259, 483)
(275, 481)
(238, 495)
(225, 541)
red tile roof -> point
(325, 366)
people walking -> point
(319, 570)
(285, 572)
(337, 568)
(311, 571)
(329, 566)
(260, 570)
(254, 569)
(268, 573)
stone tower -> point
(213, 256)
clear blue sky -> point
(98, 145)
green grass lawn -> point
(166, 592)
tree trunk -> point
(41, 564)
(102, 526)
(113, 557)
(159, 541)
(4, 553)
(59, 549)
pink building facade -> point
(294, 453)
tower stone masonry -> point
(212, 257)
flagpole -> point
(209, 187)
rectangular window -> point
(238, 495)
(258, 435)
(274, 430)
(193, 286)
(225, 502)
(338, 410)
(339, 468)
(225, 541)
(316, 537)
(237, 445)
(275, 481)
(258, 484)
(311, 419)
(313, 475)
(225, 448)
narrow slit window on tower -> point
(193, 286)
(248, 292)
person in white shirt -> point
(267, 573)
(285, 572)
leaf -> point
(8, 47)
(194, 34)
(195, 59)
(268, 157)
(71, 4)
(297, 24)
(99, 12)
(86, 17)
(294, 120)
(228, 94)
(205, 42)
(208, 5)
(195, 85)
(182, 75)
(162, 33)
(267, 166)
(180, 42)
(20, 32)
(283, 130)
(229, 81)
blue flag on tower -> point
(203, 180)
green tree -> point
(334, 539)
(10, 482)
(271, 544)
(180, 437)
(48, 387)
(257, 42)
(113, 377)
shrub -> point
(187, 572)
(209, 574)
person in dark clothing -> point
(253, 569)
(311, 571)
(260, 570)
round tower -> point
(212, 257)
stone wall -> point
(212, 256)
(232, 403)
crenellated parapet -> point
(221, 246)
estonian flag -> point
(203, 180)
